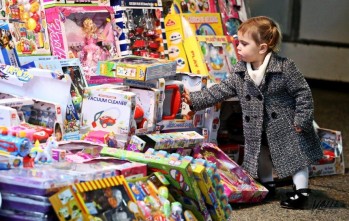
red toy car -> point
(106, 121)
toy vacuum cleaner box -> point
(84, 32)
(28, 25)
(110, 110)
(138, 68)
(333, 159)
(140, 28)
(8, 52)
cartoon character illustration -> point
(64, 213)
(216, 61)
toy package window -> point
(28, 26)
(103, 199)
(82, 32)
(233, 12)
(141, 25)
(193, 6)
(8, 52)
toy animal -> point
(43, 153)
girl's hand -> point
(298, 129)
(186, 96)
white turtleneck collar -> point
(257, 75)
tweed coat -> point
(282, 101)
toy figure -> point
(44, 155)
(91, 49)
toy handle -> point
(176, 101)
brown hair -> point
(263, 30)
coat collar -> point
(274, 65)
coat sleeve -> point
(216, 93)
(299, 89)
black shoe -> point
(271, 190)
(299, 203)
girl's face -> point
(248, 49)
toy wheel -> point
(104, 125)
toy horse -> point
(44, 155)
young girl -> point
(277, 108)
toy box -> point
(178, 173)
(104, 199)
(8, 116)
(8, 161)
(233, 12)
(333, 159)
(110, 110)
(140, 26)
(138, 68)
(84, 32)
(175, 37)
(147, 105)
(208, 56)
(159, 84)
(28, 27)
(88, 2)
(8, 52)
(192, 6)
(166, 141)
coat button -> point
(260, 97)
(247, 118)
(274, 115)
(248, 97)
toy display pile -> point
(92, 122)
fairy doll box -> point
(84, 32)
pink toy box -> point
(110, 110)
(233, 12)
(84, 32)
(28, 26)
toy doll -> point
(91, 48)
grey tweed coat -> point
(281, 101)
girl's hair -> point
(263, 30)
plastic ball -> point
(27, 7)
(31, 24)
(37, 28)
(35, 16)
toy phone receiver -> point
(172, 92)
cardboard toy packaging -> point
(178, 172)
(147, 105)
(140, 28)
(190, 6)
(110, 110)
(233, 12)
(333, 158)
(27, 21)
(137, 68)
(8, 52)
(84, 32)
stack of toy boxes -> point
(140, 28)
(181, 26)
(28, 26)
(137, 68)
(178, 172)
(84, 32)
(110, 110)
(233, 12)
(8, 52)
(333, 159)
